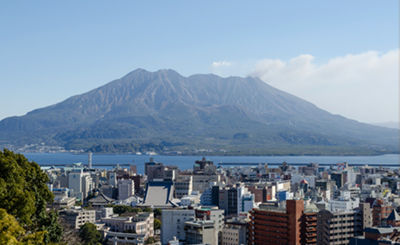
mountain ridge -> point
(162, 106)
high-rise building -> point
(274, 224)
(173, 223)
(200, 232)
(90, 160)
(112, 179)
(153, 170)
(338, 178)
(214, 214)
(339, 227)
(380, 211)
(126, 189)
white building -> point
(245, 200)
(81, 184)
(112, 179)
(183, 185)
(77, 218)
(344, 203)
(311, 179)
(126, 189)
(190, 200)
(75, 181)
(173, 223)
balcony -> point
(311, 240)
(309, 235)
(311, 223)
(272, 223)
(311, 218)
(311, 229)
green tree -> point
(89, 234)
(157, 211)
(150, 240)
(24, 194)
(147, 209)
(12, 233)
(157, 224)
(120, 209)
(137, 210)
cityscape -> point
(200, 122)
(210, 204)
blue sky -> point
(321, 51)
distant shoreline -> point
(221, 155)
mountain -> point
(165, 111)
(395, 125)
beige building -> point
(142, 223)
(235, 231)
(173, 223)
(202, 182)
(340, 227)
(77, 218)
(63, 202)
(200, 231)
(183, 185)
(231, 235)
(126, 189)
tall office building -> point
(90, 160)
(126, 189)
(173, 223)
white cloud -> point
(364, 86)
(220, 64)
(220, 67)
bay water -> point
(186, 162)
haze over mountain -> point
(163, 109)
(395, 125)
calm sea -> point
(185, 162)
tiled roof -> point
(101, 199)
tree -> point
(89, 234)
(147, 209)
(150, 240)
(137, 210)
(120, 209)
(24, 194)
(12, 233)
(157, 224)
(69, 236)
(157, 211)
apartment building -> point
(214, 214)
(380, 212)
(126, 188)
(183, 185)
(339, 227)
(77, 218)
(234, 232)
(141, 223)
(173, 223)
(275, 224)
(201, 182)
(200, 232)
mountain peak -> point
(200, 109)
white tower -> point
(90, 160)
